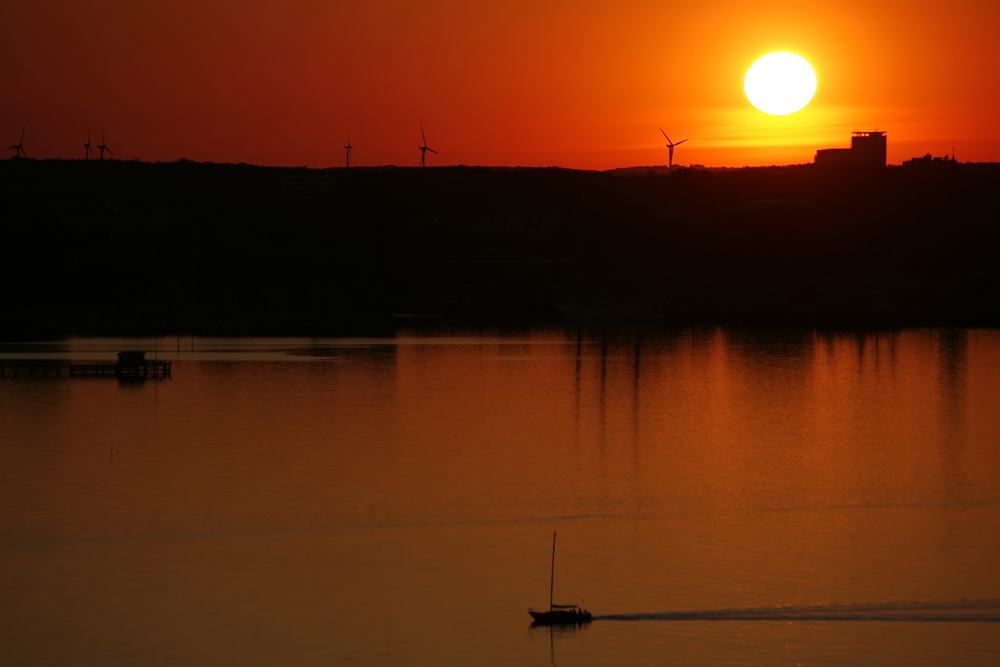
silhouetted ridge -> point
(117, 246)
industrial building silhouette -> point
(868, 149)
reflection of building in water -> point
(953, 379)
(868, 149)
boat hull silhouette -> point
(560, 617)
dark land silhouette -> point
(129, 247)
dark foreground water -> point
(721, 497)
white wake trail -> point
(977, 611)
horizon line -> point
(675, 167)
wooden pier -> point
(129, 365)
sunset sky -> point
(582, 83)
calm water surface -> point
(835, 499)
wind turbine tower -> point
(19, 147)
(425, 148)
(670, 146)
(103, 147)
(89, 153)
(348, 148)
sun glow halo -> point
(780, 83)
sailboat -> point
(559, 614)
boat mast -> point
(552, 576)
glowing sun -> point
(780, 83)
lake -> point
(720, 496)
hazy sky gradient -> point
(582, 84)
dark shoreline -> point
(130, 248)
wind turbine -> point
(425, 148)
(90, 153)
(348, 147)
(19, 147)
(102, 147)
(671, 145)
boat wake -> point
(977, 611)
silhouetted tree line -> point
(176, 247)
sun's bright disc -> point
(780, 83)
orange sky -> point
(579, 83)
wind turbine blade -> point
(422, 135)
(109, 150)
(680, 142)
(22, 133)
(432, 150)
(664, 134)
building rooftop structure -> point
(868, 150)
